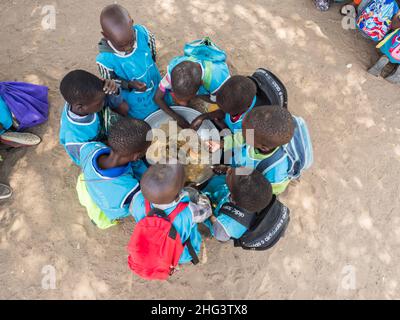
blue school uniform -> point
(140, 66)
(277, 174)
(215, 74)
(6, 118)
(235, 126)
(225, 227)
(76, 130)
(113, 189)
(184, 223)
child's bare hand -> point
(110, 87)
(214, 146)
(138, 85)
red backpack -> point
(156, 247)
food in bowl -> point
(183, 145)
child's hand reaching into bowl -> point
(214, 146)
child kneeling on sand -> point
(86, 97)
(273, 142)
(111, 173)
(239, 95)
(166, 234)
(246, 212)
(128, 55)
(199, 73)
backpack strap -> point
(240, 215)
(269, 162)
(147, 206)
(179, 208)
(192, 252)
(173, 232)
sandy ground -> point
(345, 231)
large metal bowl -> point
(159, 117)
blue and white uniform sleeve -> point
(227, 227)
(74, 150)
(137, 208)
(152, 45)
(105, 71)
(151, 41)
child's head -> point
(251, 192)
(162, 183)
(128, 139)
(236, 95)
(186, 79)
(83, 91)
(117, 28)
(273, 127)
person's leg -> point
(19, 139)
(378, 67)
(5, 192)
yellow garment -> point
(95, 214)
(212, 107)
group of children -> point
(103, 130)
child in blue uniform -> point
(112, 173)
(236, 98)
(250, 193)
(162, 188)
(188, 77)
(268, 134)
(127, 55)
(86, 95)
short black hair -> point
(160, 184)
(129, 135)
(273, 125)
(115, 13)
(252, 192)
(236, 95)
(80, 86)
(186, 79)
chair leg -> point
(378, 67)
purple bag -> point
(27, 102)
